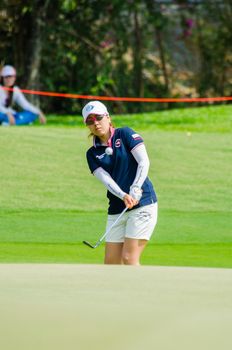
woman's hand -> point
(42, 118)
(11, 118)
(129, 201)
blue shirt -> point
(121, 165)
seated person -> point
(9, 116)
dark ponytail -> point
(10, 97)
(8, 102)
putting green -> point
(114, 307)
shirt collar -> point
(97, 142)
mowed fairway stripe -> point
(49, 202)
(114, 307)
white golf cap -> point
(94, 107)
(8, 70)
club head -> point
(89, 245)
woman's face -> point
(9, 80)
(99, 125)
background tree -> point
(150, 48)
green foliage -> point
(123, 48)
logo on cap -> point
(89, 108)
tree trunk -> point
(35, 47)
(138, 79)
(156, 14)
(162, 57)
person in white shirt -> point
(14, 96)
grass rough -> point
(49, 202)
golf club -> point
(107, 231)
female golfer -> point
(118, 158)
(8, 98)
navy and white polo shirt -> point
(121, 165)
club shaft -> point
(113, 224)
(107, 231)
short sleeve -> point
(92, 162)
(130, 138)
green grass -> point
(211, 118)
(49, 201)
(71, 306)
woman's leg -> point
(113, 253)
(132, 250)
(114, 239)
(25, 118)
(140, 226)
(4, 119)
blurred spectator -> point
(8, 116)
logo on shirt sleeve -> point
(101, 156)
(136, 137)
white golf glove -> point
(136, 192)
